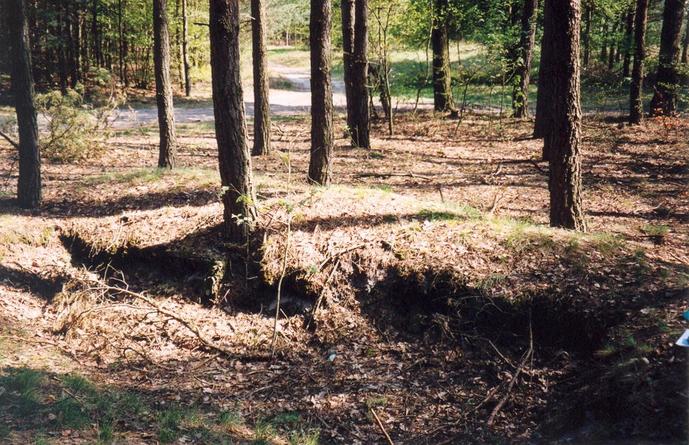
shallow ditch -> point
(426, 307)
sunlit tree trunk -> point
(543, 100)
(628, 41)
(564, 139)
(261, 88)
(29, 185)
(348, 18)
(161, 56)
(442, 77)
(230, 126)
(360, 111)
(185, 49)
(320, 165)
(636, 106)
(520, 95)
(667, 78)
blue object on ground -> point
(683, 341)
(686, 315)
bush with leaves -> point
(70, 129)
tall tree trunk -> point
(545, 71)
(588, 18)
(613, 46)
(161, 59)
(565, 138)
(685, 44)
(361, 128)
(604, 48)
(520, 95)
(440, 42)
(120, 38)
(95, 35)
(348, 18)
(62, 32)
(29, 185)
(636, 106)
(230, 126)
(628, 41)
(320, 165)
(261, 87)
(185, 49)
(667, 79)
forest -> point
(302, 222)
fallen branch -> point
(503, 400)
(279, 290)
(342, 252)
(389, 175)
(381, 427)
(322, 294)
(186, 323)
(10, 140)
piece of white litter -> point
(683, 341)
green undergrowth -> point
(42, 403)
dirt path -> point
(292, 99)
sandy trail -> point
(285, 102)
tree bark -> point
(29, 185)
(185, 49)
(230, 126)
(685, 44)
(613, 46)
(636, 106)
(361, 121)
(320, 165)
(543, 100)
(261, 87)
(588, 18)
(442, 77)
(520, 95)
(95, 31)
(664, 100)
(565, 138)
(348, 18)
(628, 41)
(161, 59)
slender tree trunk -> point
(664, 100)
(545, 68)
(62, 48)
(611, 53)
(628, 41)
(565, 138)
(261, 87)
(178, 44)
(361, 129)
(95, 35)
(120, 41)
(604, 48)
(185, 49)
(320, 165)
(520, 95)
(685, 44)
(442, 77)
(161, 59)
(230, 125)
(588, 18)
(29, 185)
(636, 106)
(348, 18)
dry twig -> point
(381, 427)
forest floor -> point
(423, 288)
